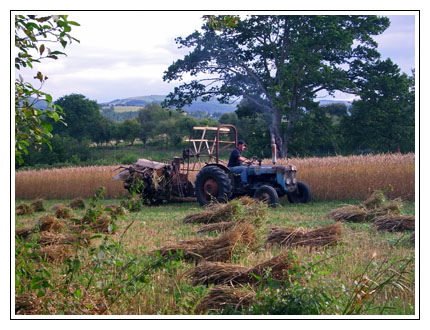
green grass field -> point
(367, 273)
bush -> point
(292, 300)
(129, 159)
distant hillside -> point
(323, 103)
(211, 106)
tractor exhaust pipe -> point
(273, 151)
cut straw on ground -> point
(216, 249)
(395, 223)
(376, 205)
(225, 296)
(292, 237)
(277, 268)
(219, 212)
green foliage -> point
(82, 117)
(276, 62)
(383, 120)
(32, 33)
(63, 150)
(315, 135)
(129, 130)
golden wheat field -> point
(330, 178)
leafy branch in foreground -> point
(32, 35)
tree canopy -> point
(33, 34)
(276, 62)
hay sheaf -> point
(219, 212)
(50, 238)
(213, 213)
(374, 206)
(38, 205)
(217, 249)
(222, 273)
(77, 203)
(392, 207)
(225, 296)
(375, 200)
(94, 221)
(395, 223)
(114, 209)
(292, 237)
(349, 213)
(24, 209)
(63, 212)
(216, 227)
(24, 232)
(56, 252)
(27, 304)
(50, 223)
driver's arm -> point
(243, 159)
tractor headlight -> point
(288, 181)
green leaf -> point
(47, 126)
(78, 293)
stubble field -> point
(142, 261)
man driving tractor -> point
(235, 162)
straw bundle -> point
(217, 249)
(223, 296)
(56, 253)
(27, 304)
(38, 205)
(56, 206)
(218, 212)
(390, 207)
(223, 273)
(375, 200)
(277, 268)
(213, 213)
(63, 212)
(24, 209)
(77, 203)
(50, 223)
(114, 209)
(349, 213)
(216, 227)
(49, 238)
(94, 220)
(24, 232)
(314, 238)
(395, 222)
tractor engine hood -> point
(268, 169)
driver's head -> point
(241, 145)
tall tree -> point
(82, 115)
(278, 63)
(383, 120)
(33, 35)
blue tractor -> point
(268, 183)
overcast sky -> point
(124, 54)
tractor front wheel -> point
(268, 195)
(301, 195)
(213, 184)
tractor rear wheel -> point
(213, 184)
(301, 195)
(268, 195)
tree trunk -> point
(275, 132)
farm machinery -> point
(156, 182)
